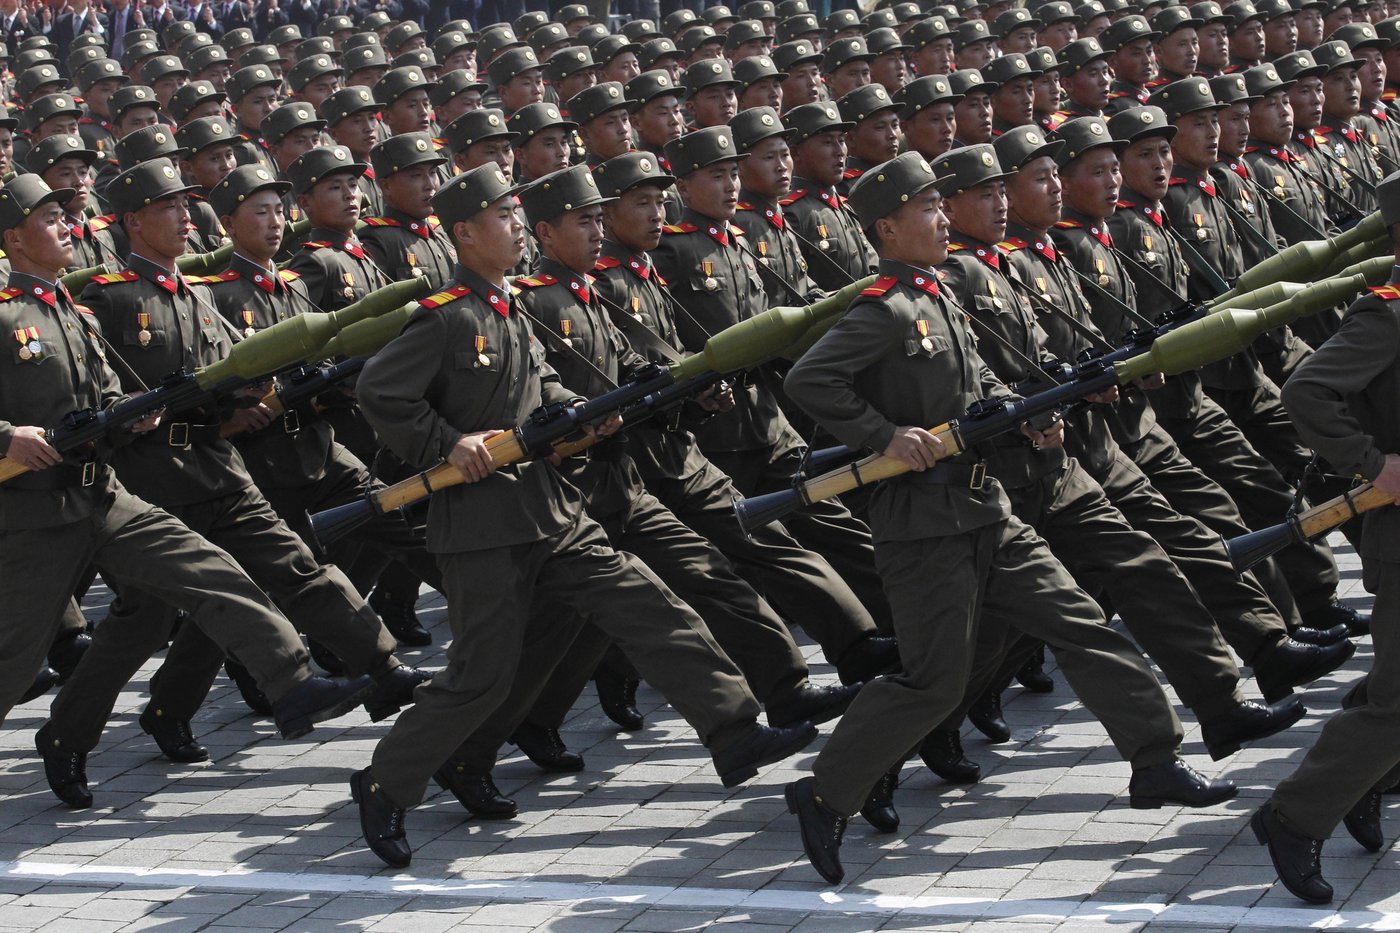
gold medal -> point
(824, 244)
(144, 338)
(348, 292)
(1278, 191)
(1149, 256)
(1103, 280)
(711, 284)
(1200, 233)
(248, 318)
(144, 321)
(24, 353)
(566, 327)
(481, 358)
(927, 344)
(998, 303)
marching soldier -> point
(1343, 399)
(874, 136)
(1131, 44)
(897, 361)
(352, 121)
(927, 116)
(70, 509)
(513, 535)
(1341, 135)
(407, 241)
(252, 95)
(1086, 79)
(765, 179)
(836, 251)
(604, 125)
(98, 80)
(64, 163)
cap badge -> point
(987, 159)
(492, 119)
(766, 119)
(168, 172)
(1096, 129)
(421, 145)
(263, 175)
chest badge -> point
(144, 321)
(248, 329)
(927, 342)
(29, 346)
(711, 283)
(481, 358)
(566, 327)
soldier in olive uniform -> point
(97, 127)
(163, 324)
(1341, 137)
(252, 93)
(1129, 42)
(1199, 426)
(1343, 398)
(352, 121)
(514, 540)
(133, 107)
(1307, 97)
(716, 281)
(208, 141)
(407, 241)
(765, 179)
(874, 136)
(64, 163)
(1377, 120)
(900, 359)
(591, 356)
(836, 251)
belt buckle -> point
(180, 430)
(291, 423)
(89, 472)
(979, 475)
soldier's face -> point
(498, 151)
(889, 71)
(411, 190)
(99, 93)
(43, 239)
(1197, 142)
(1234, 130)
(253, 107)
(318, 90)
(492, 242)
(358, 133)
(1136, 62)
(1309, 24)
(1306, 99)
(1341, 96)
(579, 81)
(659, 121)
(334, 202)
(296, 143)
(1179, 51)
(622, 68)
(847, 78)
(163, 226)
(1058, 35)
(1092, 182)
(1147, 167)
(1281, 36)
(979, 212)
(209, 166)
(917, 233)
(411, 113)
(1214, 41)
(1088, 86)
(715, 105)
(547, 151)
(64, 125)
(609, 134)
(802, 85)
(822, 157)
(71, 173)
(636, 218)
(876, 139)
(974, 117)
(1047, 92)
(574, 239)
(930, 131)
(766, 92)
(256, 226)
(1372, 73)
(1014, 102)
(1033, 194)
(525, 88)
(1271, 119)
(712, 191)
(1020, 40)
(768, 169)
(976, 54)
(936, 58)
(1247, 41)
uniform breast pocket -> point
(33, 352)
(709, 283)
(926, 347)
(487, 361)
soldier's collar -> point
(578, 282)
(258, 274)
(156, 273)
(418, 225)
(925, 280)
(36, 287)
(639, 264)
(719, 230)
(1035, 239)
(494, 293)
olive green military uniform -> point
(162, 324)
(1352, 154)
(1051, 493)
(55, 522)
(1088, 248)
(1343, 399)
(718, 284)
(902, 356)
(93, 245)
(1201, 429)
(335, 269)
(836, 250)
(408, 247)
(766, 234)
(516, 543)
(97, 132)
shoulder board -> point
(955, 247)
(883, 284)
(1012, 244)
(443, 297)
(115, 277)
(535, 281)
(287, 275)
(9, 293)
(1179, 181)
(86, 121)
(793, 197)
(82, 309)
(679, 228)
(315, 244)
(1386, 292)
(103, 222)
(381, 222)
(1068, 225)
(433, 221)
(1126, 204)
(607, 262)
(745, 206)
(228, 275)
(850, 173)
(736, 230)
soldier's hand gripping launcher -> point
(1174, 349)
(738, 347)
(298, 340)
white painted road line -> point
(661, 896)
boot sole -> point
(746, 772)
(301, 725)
(1218, 752)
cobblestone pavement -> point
(264, 837)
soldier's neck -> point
(261, 264)
(554, 263)
(20, 265)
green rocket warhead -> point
(78, 279)
(1309, 259)
(365, 338)
(765, 336)
(1217, 336)
(1259, 298)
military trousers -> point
(129, 540)
(1359, 746)
(1241, 609)
(497, 599)
(316, 598)
(827, 527)
(959, 598)
(1190, 492)
(1213, 443)
(743, 625)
